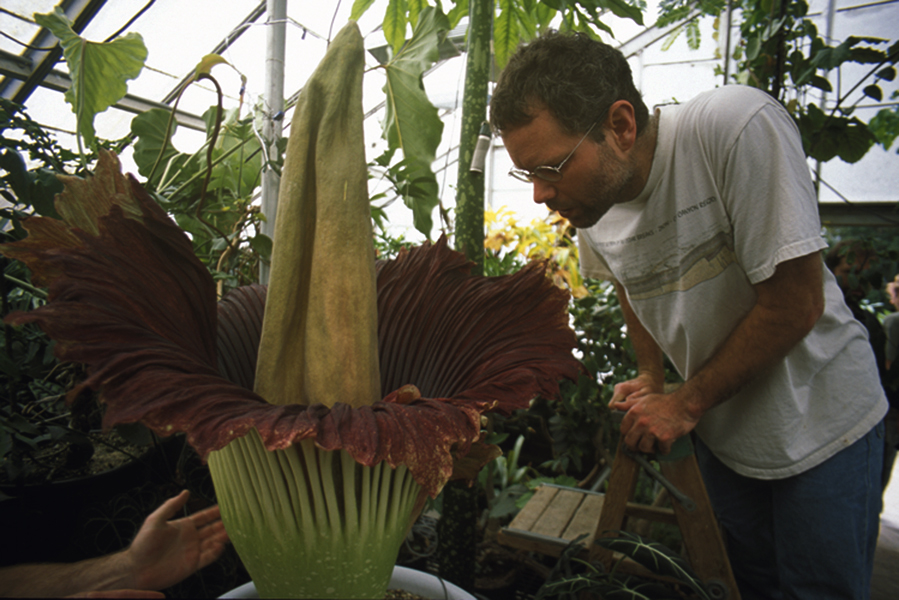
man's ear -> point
(621, 123)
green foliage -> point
(508, 478)
(99, 71)
(515, 20)
(573, 577)
(156, 157)
(781, 51)
(885, 125)
(883, 244)
(29, 188)
(411, 123)
(581, 422)
(223, 222)
(509, 484)
(577, 423)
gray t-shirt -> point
(728, 198)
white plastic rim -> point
(404, 578)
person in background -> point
(704, 216)
(855, 265)
(891, 324)
(891, 384)
(163, 553)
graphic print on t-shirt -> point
(676, 271)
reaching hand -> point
(164, 552)
(654, 420)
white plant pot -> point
(403, 578)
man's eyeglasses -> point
(546, 172)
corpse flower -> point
(330, 405)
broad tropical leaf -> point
(149, 129)
(506, 36)
(411, 122)
(359, 8)
(394, 24)
(98, 70)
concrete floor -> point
(885, 584)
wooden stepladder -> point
(557, 515)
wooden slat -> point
(514, 539)
(651, 513)
(584, 521)
(533, 510)
(554, 522)
(699, 528)
(622, 484)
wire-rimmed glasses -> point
(547, 172)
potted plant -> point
(370, 381)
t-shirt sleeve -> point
(767, 189)
(592, 265)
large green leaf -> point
(98, 70)
(359, 8)
(623, 9)
(827, 136)
(411, 123)
(394, 24)
(417, 185)
(149, 128)
(506, 34)
(455, 14)
(237, 156)
(885, 126)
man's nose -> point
(544, 191)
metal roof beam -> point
(82, 13)
(859, 214)
(235, 33)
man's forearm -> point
(650, 360)
(788, 306)
(64, 579)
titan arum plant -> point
(370, 378)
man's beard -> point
(607, 187)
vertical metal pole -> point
(828, 36)
(276, 34)
(727, 25)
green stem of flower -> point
(308, 523)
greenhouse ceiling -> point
(178, 34)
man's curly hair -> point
(575, 77)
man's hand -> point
(788, 304)
(653, 420)
(164, 552)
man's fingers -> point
(206, 516)
(170, 507)
(665, 448)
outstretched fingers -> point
(169, 508)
